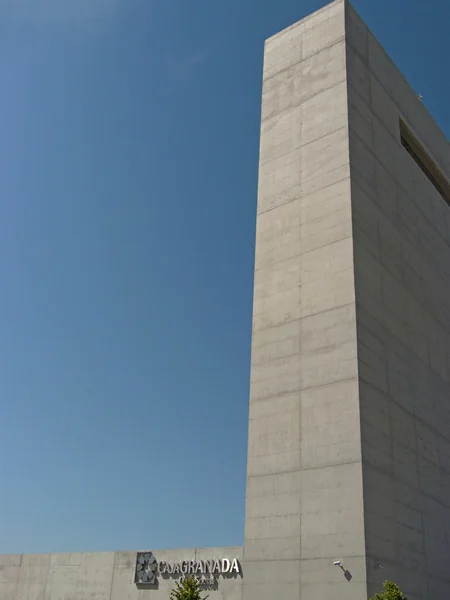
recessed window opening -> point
(417, 152)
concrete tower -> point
(349, 434)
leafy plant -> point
(391, 592)
(188, 590)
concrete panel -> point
(319, 36)
(272, 527)
(297, 84)
(269, 572)
(330, 545)
(282, 483)
(9, 574)
(65, 559)
(33, 574)
(280, 504)
(75, 574)
(357, 33)
(274, 435)
(126, 559)
(29, 591)
(8, 591)
(283, 51)
(122, 585)
(309, 208)
(288, 403)
(229, 591)
(274, 549)
(309, 229)
(267, 591)
(35, 560)
(314, 341)
(10, 560)
(324, 154)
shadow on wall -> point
(348, 576)
(174, 577)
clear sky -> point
(129, 135)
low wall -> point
(112, 575)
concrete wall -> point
(304, 505)
(402, 266)
(350, 375)
(100, 576)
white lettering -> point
(235, 566)
(209, 565)
(200, 567)
(225, 565)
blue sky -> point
(128, 150)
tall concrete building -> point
(349, 432)
(349, 439)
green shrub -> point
(391, 592)
(188, 590)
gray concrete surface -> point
(304, 490)
(101, 576)
(401, 236)
(349, 433)
(349, 428)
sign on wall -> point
(207, 572)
